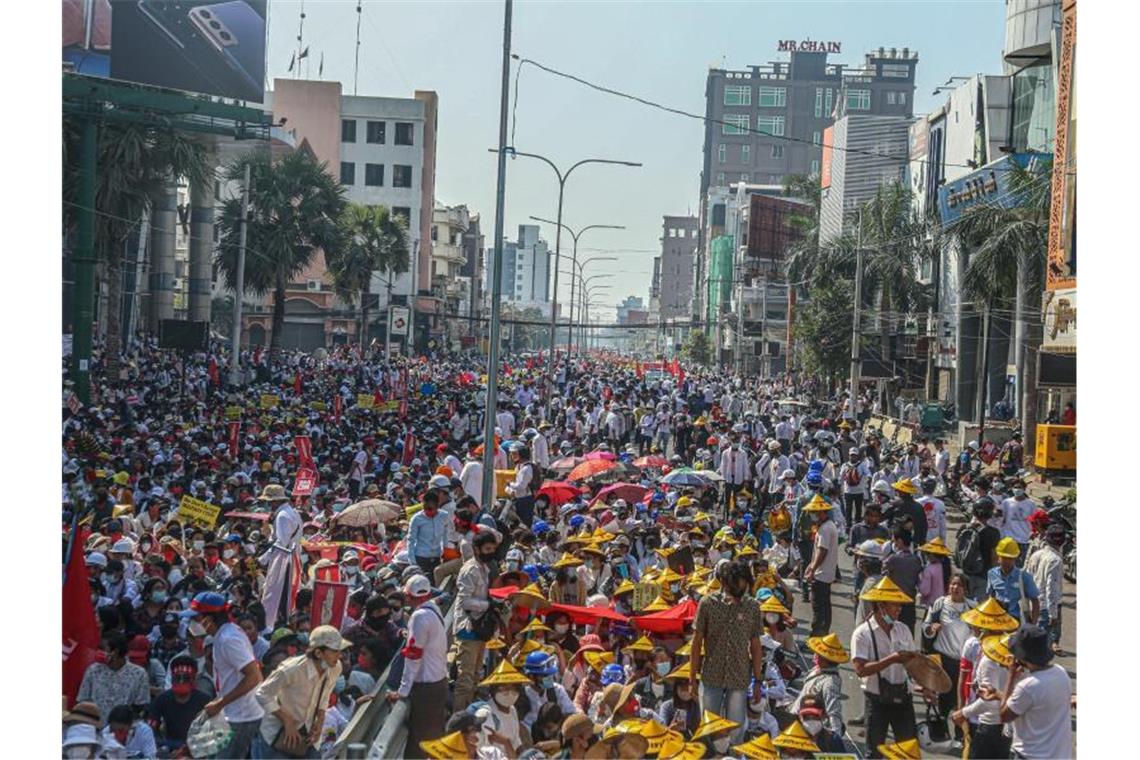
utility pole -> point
(83, 299)
(239, 285)
(764, 360)
(488, 490)
(855, 365)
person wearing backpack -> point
(975, 545)
(856, 477)
(476, 617)
(524, 485)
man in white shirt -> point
(424, 682)
(821, 572)
(1015, 512)
(540, 446)
(506, 422)
(941, 458)
(734, 469)
(880, 648)
(935, 510)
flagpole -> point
(356, 63)
(300, 37)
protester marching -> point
(676, 562)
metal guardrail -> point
(379, 729)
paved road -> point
(843, 623)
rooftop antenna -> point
(300, 36)
(356, 64)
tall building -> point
(472, 274)
(449, 225)
(675, 270)
(526, 270)
(383, 151)
(862, 153)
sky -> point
(658, 50)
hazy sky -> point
(658, 50)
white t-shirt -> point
(232, 652)
(827, 537)
(1015, 519)
(899, 639)
(1042, 702)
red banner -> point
(305, 483)
(234, 429)
(329, 602)
(338, 403)
(297, 387)
(304, 446)
(404, 408)
(215, 377)
(80, 630)
(409, 449)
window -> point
(720, 178)
(815, 138)
(403, 212)
(348, 130)
(403, 133)
(735, 124)
(818, 102)
(722, 153)
(814, 167)
(890, 98)
(773, 97)
(777, 151)
(374, 175)
(902, 98)
(376, 132)
(401, 175)
(770, 125)
(745, 154)
(827, 103)
(347, 173)
(737, 95)
(1033, 102)
(900, 70)
(858, 100)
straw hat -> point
(817, 504)
(996, 647)
(654, 731)
(674, 747)
(1007, 548)
(760, 748)
(665, 551)
(598, 660)
(84, 712)
(567, 560)
(578, 725)
(699, 516)
(657, 605)
(991, 616)
(273, 492)
(579, 538)
(592, 549)
(600, 534)
(643, 644)
(625, 587)
(450, 747)
(684, 650)
(495, 643)
(905, 485)
(682, 673)
(504, 674)
(829, 648)
(795, 737)
(532, 591)
(669, 576)
(905, 750)
(711, 723)
(772, 604)
(630, 745)
(935, 546)
(537, 626)
(885, 591)
(650, 575)
(747, 551)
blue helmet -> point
(540, 527)
(816, 465)
(567, 509)
(532, 572)
(540, 664)
(576, 521)
(612, 673)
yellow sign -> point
(644, 594)
(266, 420)
(269, 401)
(233, 412)
(390, 406)
(365, 400)
(198, 511)
(318, 406)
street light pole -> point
(239, 285)
(581, 271)
(562, 177)
(575, 236)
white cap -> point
(787, 474)
(123, 546)
(97, 558)
(417, 586)
(328, 637)
(350, 556)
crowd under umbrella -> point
(591, 468)
(651, 462)
(559, 492)
(687, 477)
(566, 464)
(608, 456)
(368, 513)
(631, 492)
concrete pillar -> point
(202, 201)
(164, 220)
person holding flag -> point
(282, 561)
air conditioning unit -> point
(314, 285)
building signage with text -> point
(986, 186)
(1060, 317)
(808, 46)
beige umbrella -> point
(368, 512)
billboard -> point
(216, 47)
(986, 186)
(1059, 309)
(825, 164)
(770, 225)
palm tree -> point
(377, 242)
(295, 212)
(134, 162)
(1007, 248)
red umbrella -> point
(559, 492)
(631, 492)
(651, 462)
(591, 468)
(566, 463)
(671, 620)
(607, 456)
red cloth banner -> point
(234, 430)
(304, 446)
(215, 377)
(338, 405)
(297, 387)
(330, 598)
(80, 630)
(305, 482)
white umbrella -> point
(368, 512)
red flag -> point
(640, 370)
(507, 369)
(306, 480)
(80, 631)
(330, 598)
(215, 378)
(257, 355)
(377, 398)
(234, 429)
(297, 383)
(304, 446)
(338, 402)
(404, 407)
(409, 448)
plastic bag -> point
(208, 736)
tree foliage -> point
(377, 242)
(697, 349)
(823, 329)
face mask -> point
(109, 580)
(339, 686)
(721, 743)
(663, 668)
(813, 727)
(631, 707)
(506, 699)
(158, 597)
(486, 559)
(548, 682)
(78, 751)
(888, 619)
(182, 689)
(199, 545)
(229, 554)
(121, 736)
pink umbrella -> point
(631, 492)
(607, 456)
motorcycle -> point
(1064, 513)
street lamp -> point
(562, 177)
(581, 272)
(575, 236)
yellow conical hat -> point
(904, 750)
(760, 748)
(504, 674)
(885, 591)
(796, 737)
(991, 616)
(711, 723)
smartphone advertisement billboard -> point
(216, 47)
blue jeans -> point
(263, 750)
(727, 703)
